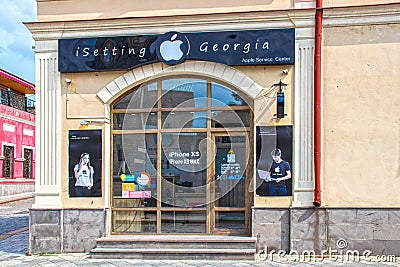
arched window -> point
(168, 137)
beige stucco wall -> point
(102, 9)
(265, 106)
(80, 103)
(83, 104)
(345, 3)
(360, 155)
(361, 116)
(60, 10)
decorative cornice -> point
(301, 18)
(17, 119)
(365, 15)
(156, 25)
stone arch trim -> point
(214, 70)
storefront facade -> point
(179, 141)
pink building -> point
(17, 134)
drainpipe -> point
(317, 103)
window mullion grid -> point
(159, 154)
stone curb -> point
(16, 197)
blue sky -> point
(16, 54)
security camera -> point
(285, 71)
(68, 80)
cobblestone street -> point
(14, 221)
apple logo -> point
(171, 50)
(173, 47)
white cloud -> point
(16, 54)
(6, 42)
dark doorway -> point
(28, 155)
(8, 162)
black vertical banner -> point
(85, 143)
(269, 138)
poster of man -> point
(274, 160)
(85, 166)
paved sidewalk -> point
(12, 259)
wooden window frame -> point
(211, 132)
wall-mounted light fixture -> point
(68, 80)
(87, 122)
(280, 101)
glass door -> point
(230, 208)
(180, 158)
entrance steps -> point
(175, 247)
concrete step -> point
(172, 254)
(175, 247)
(177, 237)
(144, 241)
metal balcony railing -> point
(16, 100)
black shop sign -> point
(258, 47)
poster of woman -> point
(85, 166)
